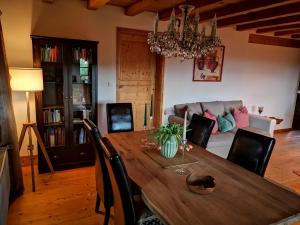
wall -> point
(260, 75)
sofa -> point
(220, 143)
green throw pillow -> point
(226, 123)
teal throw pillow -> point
(230, 117)
(225, 124)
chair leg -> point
(107, 215)
(98, 200)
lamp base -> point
(27, 127)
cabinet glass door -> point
(81, 71)
(53, 96)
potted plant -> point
(168, 138)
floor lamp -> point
(29, 80)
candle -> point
(184, 126)
(151, 107)
(156, 23)
(145, 116)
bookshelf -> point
(69, 96)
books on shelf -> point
(50, 54)
(82, 53)
(79, 136)
(54, 136)
(53, 116)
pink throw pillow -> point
(208, 115)
(241, 117)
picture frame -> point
(209, 67)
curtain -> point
(8, 130)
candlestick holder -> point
(182, 170)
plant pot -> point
(169, 149)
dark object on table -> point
(200, 130)
(103, 185)
(200, 184)
(124, 206)
(119, 117)
(251, 151)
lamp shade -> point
(26, 79)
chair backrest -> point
(124, 213)
(119, 117)
(251, 151)
(200, 129)
(103, 185)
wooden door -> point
(136, 67)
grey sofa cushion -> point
(180, 109)
(230, 105)
(216, 107)
(194, 108)
(220, 143)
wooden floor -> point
(68, 197)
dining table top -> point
(240, 196)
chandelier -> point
(182, 38)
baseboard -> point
(283, 130)
(25, 160)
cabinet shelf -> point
(65, 83)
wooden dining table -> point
(240, 197)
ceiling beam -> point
(287, 32)
(96, 4)
(295, 35)
(276, 28)
(276, 41)
(165, 14)
(271, 22)
(238, 7)
(261, 14)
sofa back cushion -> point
(194, 108)
(231, 105)
(180, 109)
(216, 108)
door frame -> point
(159, 75)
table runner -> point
(165, 163)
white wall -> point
(257, 74)
(260, 75)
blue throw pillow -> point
(230, 117)
(225, 123)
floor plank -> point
(68, 197)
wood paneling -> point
(287, 32)
(165, 14)
(271, 22)
(295, 35)
(240, 197)
(276, 28)
(268, 40)
(261, 14)
(238, 7)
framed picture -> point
(209, 67)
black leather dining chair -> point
(251, 151)
(119, 117)
(199, 130)
(125, 208)
(103, 185)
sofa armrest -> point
(175, 119)
(263, 123)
